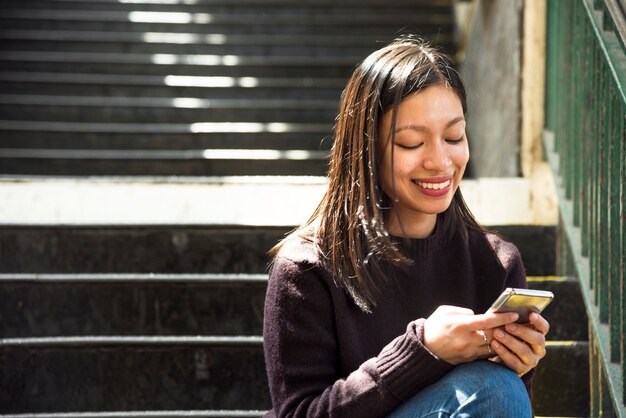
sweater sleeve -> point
(300, 346)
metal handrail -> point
(586, 147)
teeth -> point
(434, 186)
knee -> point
(499, 380)
(500, 387)
(478, 389)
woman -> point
(375, 307)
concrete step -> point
(232, 25)
(119, 249)
(177, 249)
(319, 44)
(567, 312)
(185, 85)
(170, 59)
(165, 114)
(384, 32)
(40, 305)
(562, 380)
(318, 40)
(283, 20)
(49, 305)
(188, 66)
(240, 6)
(150, 162)
(85, 204)
(117, 373)
(143, 47)
(35, 138)
(202, 413)
(304, 116)
(113, 102)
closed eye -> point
(455, 141)
(409, 146)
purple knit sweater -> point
(327, 358)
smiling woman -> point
(375, 306)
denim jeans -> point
(479, 389)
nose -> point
(436, 157)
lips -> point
(434, 187)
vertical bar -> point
(578, 108)
(603, 199)
(594, 376)
(570, 107)
(622, 262)
(593, 195)
(552, 22)
(606, 405)
(614, 157)
(558, 80)
(587, 134)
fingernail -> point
(513, 317)
(499, 333)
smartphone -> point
(522, 301)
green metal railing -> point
(586, 145)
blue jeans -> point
(478, 389)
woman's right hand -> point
(455, 334)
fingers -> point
(448, 335)
(539, 323)
(533, 338)
(519, 346)
(449, 309)
(489, 320)
(511, 360)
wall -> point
(491, 69)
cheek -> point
(460, 156)
(404, 163)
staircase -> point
(155, 317)
(162, 88)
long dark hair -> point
(348, 226)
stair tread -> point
(173, 128)
(160, 278)
(208, 413)
(177, 59)
(188, 38)
(164, 102)
(137, 201)
(320, 3)
(324, 18)
(151, 154)
(139, 278)
(87, 341)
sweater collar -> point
(422, 247)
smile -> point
(433, 186)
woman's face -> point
(430, 155)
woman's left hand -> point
(521, 346)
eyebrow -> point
(419, 128)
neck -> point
(421, 227)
